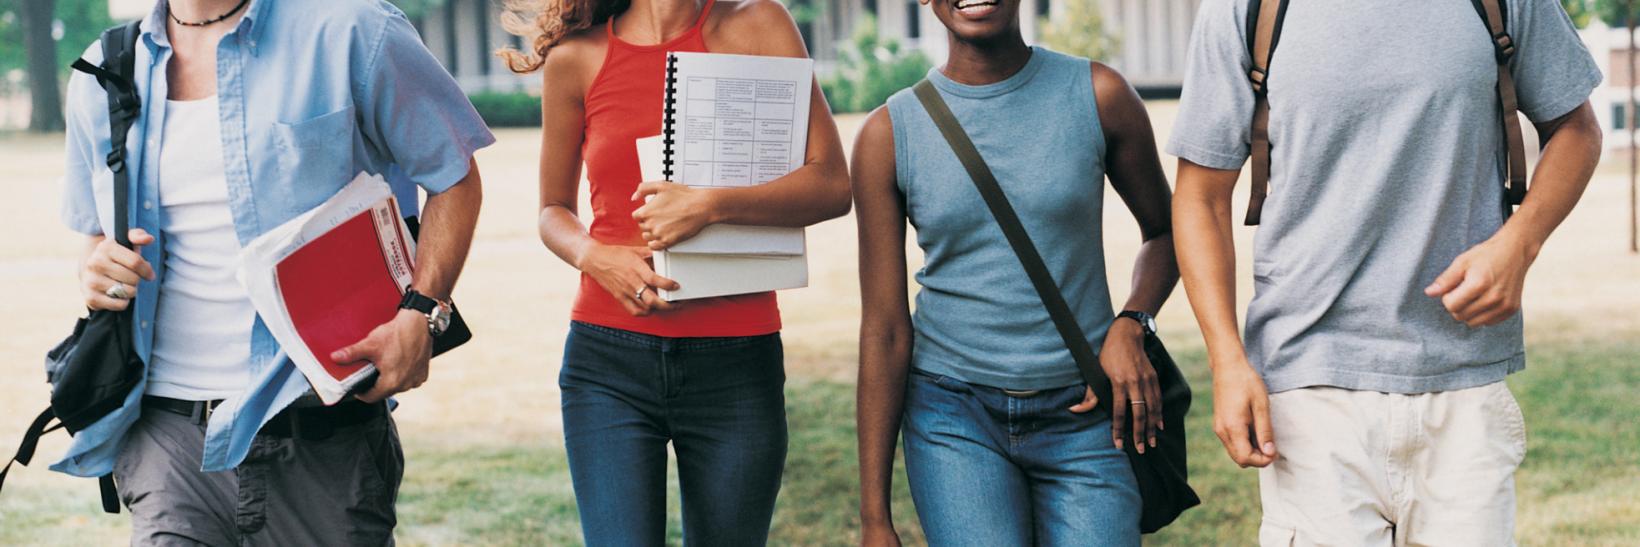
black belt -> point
(307, 423)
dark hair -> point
(546, 22)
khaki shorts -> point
(1362, 468)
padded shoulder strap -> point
(1496, 17)
(1264, 20)
(115, 76)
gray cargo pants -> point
(336, 491)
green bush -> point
(514, 109)
(870, 69)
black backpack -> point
(93, 370)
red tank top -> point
(622, 105)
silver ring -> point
(117, 292)
(1135, 403)
(641, 290)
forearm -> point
(447, 225)
(813, 193)
(1569, 158)
(885, 355)
(1207, 262)
(1155, 273)
(563, 234)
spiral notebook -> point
(734, 121)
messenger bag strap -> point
(1081, 351)
(1493, 13)
(1264, 23)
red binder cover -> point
(341, 285)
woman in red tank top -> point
(639, 373)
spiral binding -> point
(667, 130)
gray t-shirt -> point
(1387, 162)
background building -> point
(1153, 35)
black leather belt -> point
(307, 423)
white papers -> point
(736, 121)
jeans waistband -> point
(640, 340)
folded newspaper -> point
(324, 280)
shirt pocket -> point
(317, 150)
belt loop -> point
(295, 418)
(194, 414)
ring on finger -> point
(639, 295)
(1136, 403)
(117, 292)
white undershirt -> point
(202, 334)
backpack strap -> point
(115, 76)
(1496, 17)
(1264, 20)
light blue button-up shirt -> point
(310, 93)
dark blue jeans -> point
(720, 402)
(986, 468)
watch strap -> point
(1146, 321)
(416, 301)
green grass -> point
(1577, 486)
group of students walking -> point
(1368, 385)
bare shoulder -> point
(874, 146)
(1108, 84)
(576, 59)
(754, 27)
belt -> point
(310, 423)
(1021, 394)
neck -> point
(201, 10)
(986, 62)
(657, 21)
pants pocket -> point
(1511, 420)
(1271, 534)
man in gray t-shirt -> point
(1387, 273)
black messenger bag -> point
(1161, 472)
(93, 370)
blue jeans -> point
(986, 468)
(719, 401)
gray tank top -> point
(977, 317)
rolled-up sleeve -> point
(413, 111)
(85, 101)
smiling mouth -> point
(976, 7)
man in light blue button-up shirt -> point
(306, 94)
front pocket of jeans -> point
(1513, 421)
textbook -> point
(731, 121)
(324, 280)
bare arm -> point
(1207, 261)
(815, 192)
(619, 267)
(885, 322)
(447, 224)
(1136, 174)
(1483, 285)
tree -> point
(45, 98)
(870, 69)
(1080, 31)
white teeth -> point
(965, 4)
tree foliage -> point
(1080, 30)
(82, 21)
(870, 69)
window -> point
(483, 37)
(1043, 7)
(913, 20)
(1620, 116)
(870, 6)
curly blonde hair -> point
(545, 23)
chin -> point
(978, 21)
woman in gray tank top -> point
(1001, 446)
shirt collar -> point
(154, 26)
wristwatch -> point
(437, 311)
(1145, 320)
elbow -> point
(840, 197)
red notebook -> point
(343, 284)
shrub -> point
(870, 69)
(507, 109)
(1080, 31)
